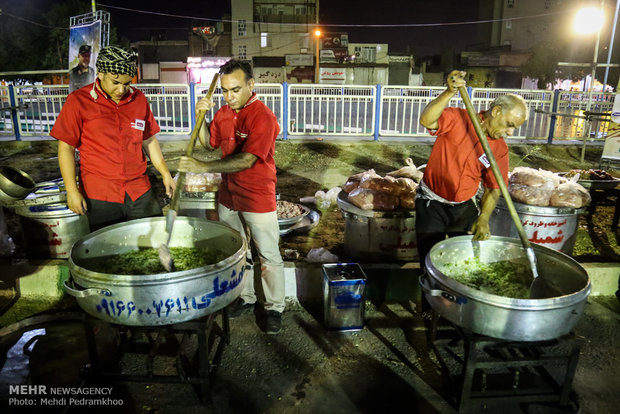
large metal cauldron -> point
(50, 230)
(378, 235)
(554, 227)
(502, 317)
(160, 299)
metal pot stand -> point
(155, 343)
(173, 340)
(501, 371)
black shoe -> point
(237, 307)
(273, 322)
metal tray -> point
(306, 223)
(201, 195)
(596, 184)
(599, 184)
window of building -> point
(509, 25)
(510, 3)
(265, 40)
(304, 41)
(547, 4)
(301, 10)
(366, 54)
(241, 28)
(243, 52)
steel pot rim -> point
(541, 210)
(470, 293)
(84, 275)
(558, 302)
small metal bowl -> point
(290, 221)
(15, 183)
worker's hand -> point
(169, 184)
(204, 105)
(455, 80)
(191, 164)
(76, 202)
(480, 229)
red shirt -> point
(254, 130)
(455, 167)
(109, 137)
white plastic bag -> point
(321, 255)
(327, 199)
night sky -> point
(420, 41)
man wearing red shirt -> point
(246, 130)
(445, 201)
(112, 126)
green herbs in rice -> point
(503, 278)
(147, 262)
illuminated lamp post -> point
(589, 20)
(317, 35)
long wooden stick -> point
(500, 180)
(174, 203)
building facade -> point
(272, 27)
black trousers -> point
(435, 221)
(105, 213)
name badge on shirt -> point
(138, 124)
(484, 160)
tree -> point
(57, 52)
(543, 64)
(38, 41)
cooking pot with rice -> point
(162, 298)
(566, 286)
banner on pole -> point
(84, 46)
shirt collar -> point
(128, 97)
(250, 101)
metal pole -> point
(611, 44)
(92, 3)
(14, 114)
(588, 124)
(377, 112)
(285, 114)
(554, 108)
(316, 69)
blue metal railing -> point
(358, 111)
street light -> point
(317, 35)
(589, 20)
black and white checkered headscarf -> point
(113, 59)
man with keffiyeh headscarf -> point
(112, 127)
